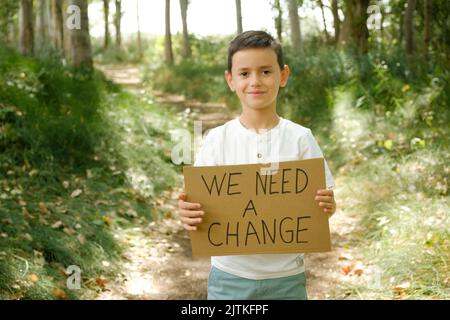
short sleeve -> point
(309, 149)
(206, 156)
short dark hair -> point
(254, 39)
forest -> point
(92, 98)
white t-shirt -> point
(233, 144)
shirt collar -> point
(252, 132)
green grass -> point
(404, 229)
(78, 160)
(397, 183)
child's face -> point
(256, 77)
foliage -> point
(200, 78)
(71, 175)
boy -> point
(255, 72)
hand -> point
(189, 214)
(325, 198)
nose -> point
(255, 80)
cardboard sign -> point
(249, 212)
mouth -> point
(256, 93)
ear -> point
(229, 79)
(284, 75)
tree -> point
(295, 25)
(409, 26)
(107, 36)
(8, 21)
(168, 53)
(57, 20)
(427, 25)
(186, 46)
(26, 31)
(354, 32)
(117, 22)
(79, 38)
(327, 36)
(336, 20)
(139, 41)
(43, 23)
(239, 16)
(276, 5)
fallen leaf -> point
(345, 256)
(68, 231)
(33, 172)
(76, 193)
(107, 220)
(43, 208)
(34, 278)
(401, 287)
(60, 294)
(7, 221)
(28, 237)
(101, 281)
(26, 213)
(347, 269)
(81, 238)
(358, 272)
(57, 225)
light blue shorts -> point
(225, 286)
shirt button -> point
(300, 261)
(259, 155)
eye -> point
(267, 72)
(243, 74)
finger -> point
(191, 213)
(188, 205)
(182, 196)
(324, 192)
(189, 228)
(324, 198)
(191, 221)
(326, 205)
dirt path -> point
(157, 259)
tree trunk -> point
(239, 16)
(186, 46)
(427, 28)
(345, 32)
(139, 40)
(409, 26)
(278, 20)
(42, 24)
(354, 32)
(360, 32)
(336, 20)
(26, 37)
(327, 37)
(117, 21)
(80, 41)
(13, 32)
(295, 25)
(168, 37)
(57, 33)
(107, 37)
